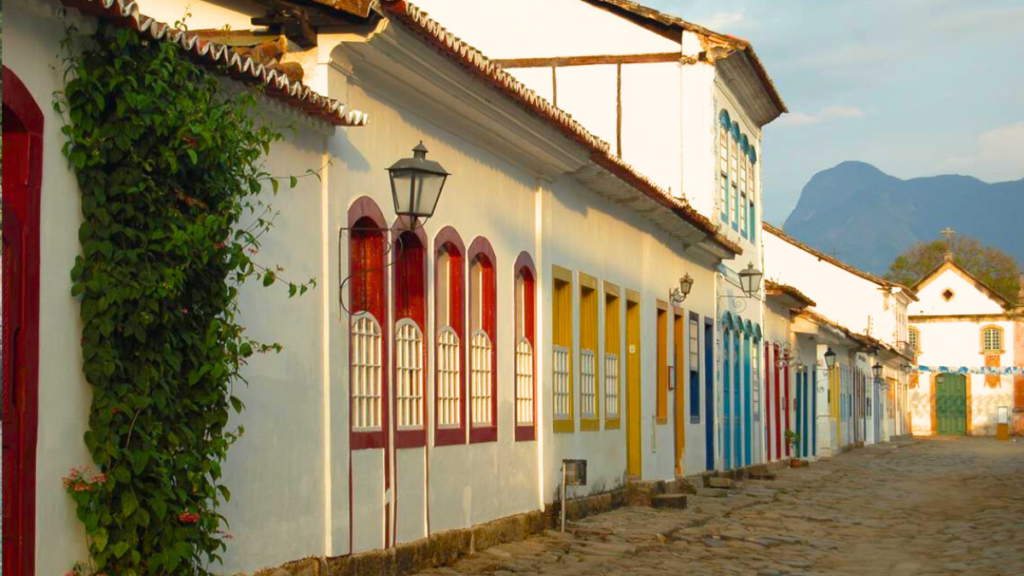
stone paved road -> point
(928, 507)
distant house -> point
(968, 342)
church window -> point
(914, 339)
(992, 340)
(948, 294)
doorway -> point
(22, 141)
(709, 394)
(678, 360)
(634, 464)
(950, 405)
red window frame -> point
(481, 250)
(448, 239)
(368, 292)
(524, 267)
(410, 301)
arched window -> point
(525, 334)
(992, 340)
(723, 164)
(744, 149)
(450, 318)
(410, 287)
(734, 142)
(368, 404)
(914, 338)
(483, 349)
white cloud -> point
(996, 157)
(722, 21)
(827, 113)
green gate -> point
(951, 404)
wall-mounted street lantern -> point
(750, 280)
(416, 185)
(679, 294)
(877, 371)
(750, 284)
(830, 358)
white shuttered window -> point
(366, 372)
(480, 370)
(611, 385)
(588, 384)
(408, 374)
(561, 382)
(448, 413)
(524, 383)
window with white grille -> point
(914, 336)
(993, 339)
(588, 384)
(408, 374)
(366, 373)
(524, 382)
(560, 370)
(448, 392)
(480, 371)
(611, 385)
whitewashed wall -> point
(967, 299)
(854, 302)
(955, 344)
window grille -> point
(480, 371)
(366, 372)
(524, 382)
(560, 366)
(588, 384)
(448, 392)
(913, 337)
(408, 374)
(611, 385)
(993, 339)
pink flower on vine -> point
(253, 251)
(82, 487)
(225, 534)
(184, 311)
(99, 479)
(220, 245)
(189, 517)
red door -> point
(22, 142)
(777, 402)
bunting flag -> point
(989, 370)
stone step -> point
(677, 501)
(712, 492)
(718, 482)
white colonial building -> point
(968, 342)
(863, 320)
(531, 319)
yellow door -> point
(633, 467)
(679, 344)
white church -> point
(968, 343)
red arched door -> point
(22, 133)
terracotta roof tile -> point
(453, 47)
(220, 58)
(774, 287)
(836, 262)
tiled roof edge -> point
(213, 55)
(771, 285)
(468, 56)
(834, 261)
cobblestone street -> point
(932, 506)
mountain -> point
(869, 217)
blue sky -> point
(915, 87)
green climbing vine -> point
(169, 165)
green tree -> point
(991, 265)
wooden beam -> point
(589, 60)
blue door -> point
(747, 403)
(727, 397)
(799, 411)
(737, 405)
(814, 412)
(709, 394)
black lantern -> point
(750, 280)
(830, 358)
(416, 185)
(877, 370)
